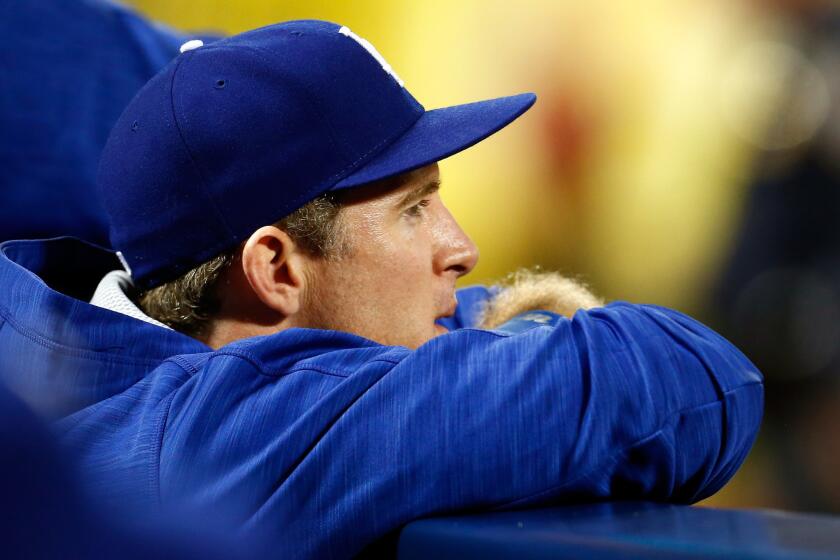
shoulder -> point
(292, 350)
(264, 400)
(283, 374)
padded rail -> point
(624, 530)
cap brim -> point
(438, 134)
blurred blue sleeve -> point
(70, 68)
(46, 514)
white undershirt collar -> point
(111, 294)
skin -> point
(395, 276)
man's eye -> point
(417, 210)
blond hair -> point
(530, 290)
(189, 302)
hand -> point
(528, 290)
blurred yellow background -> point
(630, 171)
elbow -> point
(731, 428)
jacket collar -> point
(46, 320)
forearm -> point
(620, 402)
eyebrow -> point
(419, 193)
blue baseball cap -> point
(239, 133)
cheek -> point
(401, 278)
(400, 250)
(391, 291)
(384, 288)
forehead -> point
(415, 178)
(392, 188)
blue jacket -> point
(327, 441)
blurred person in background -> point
(70, 67)
(779, 295)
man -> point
(295, 354)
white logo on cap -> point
(373, 52)
(191, 44)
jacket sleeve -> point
(620, 402)
(471, 301)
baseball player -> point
(279, 337)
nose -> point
(456, 251)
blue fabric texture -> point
(240, 133)
(44, 514)
(527, 321)
(325, 441)
(69, 69)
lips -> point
(450, 311)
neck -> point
(225, 330)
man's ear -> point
(273, 267)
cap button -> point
(191, 44)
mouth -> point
(448, 313)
